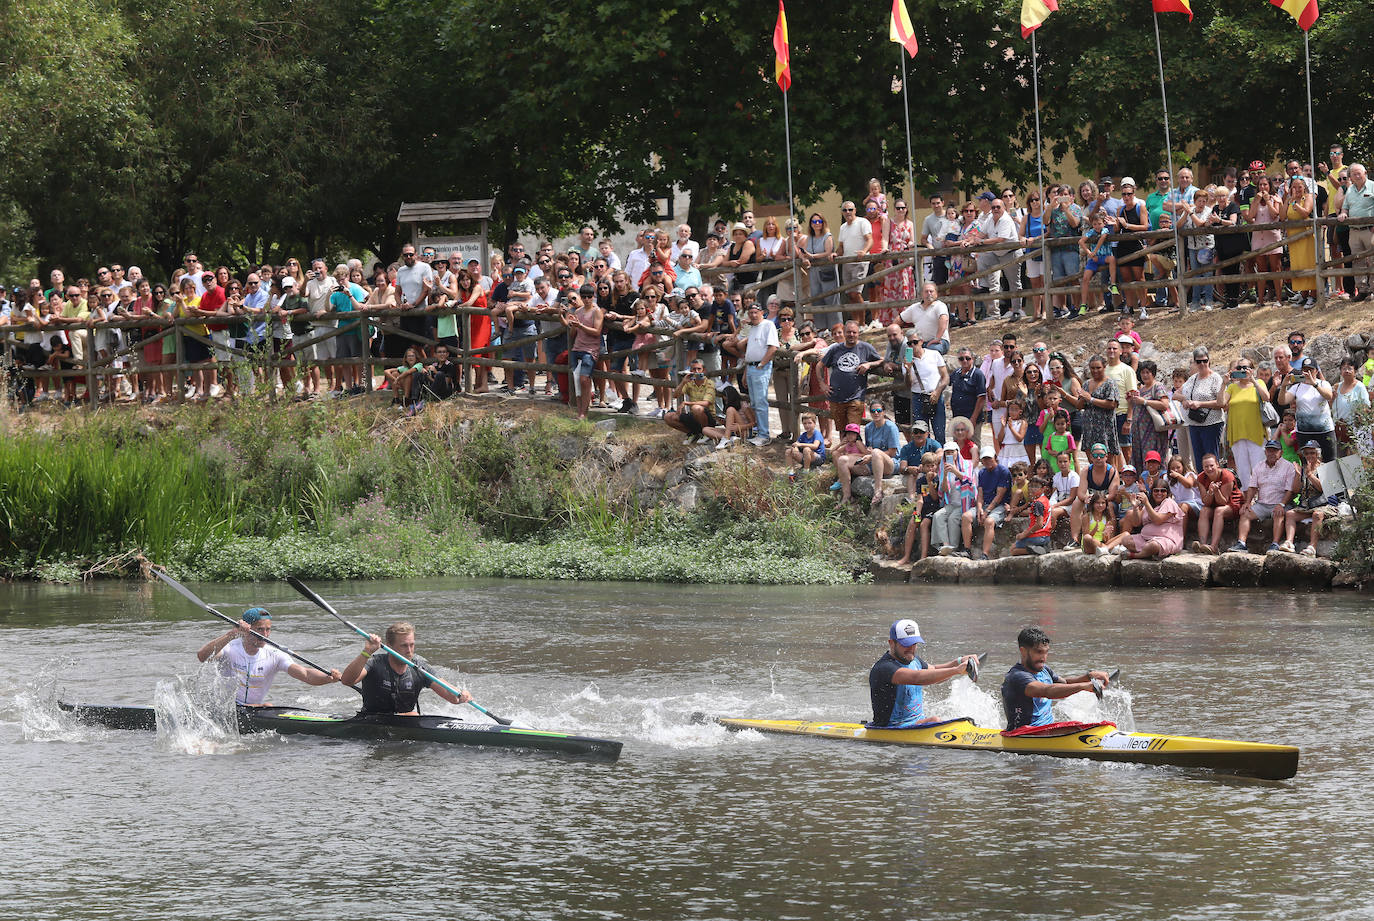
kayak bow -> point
(1100, 742)
(371, 727)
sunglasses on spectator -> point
(966, 358)
(1099, 454)
(817, 221)
(901, 207)
(564, 275)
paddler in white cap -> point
(896, 680)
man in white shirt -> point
(761, 341)
(855, 238)
(319, 284)
(638, 261)
(684, 240)
(929, 378)
(930, 317)
(1040, 357)
(243, 654)
(998, 227)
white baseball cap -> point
(986, 452)
(905, 633)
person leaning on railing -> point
(1358, 202)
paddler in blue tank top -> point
(1030, 685)
(896, 680)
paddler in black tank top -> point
(388, 684)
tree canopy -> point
(248, 128)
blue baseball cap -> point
(905, 633)
(1273, 444)
(253, 615)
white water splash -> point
(40, 719)
(1115, 706)
(965, 698)
(196, 714)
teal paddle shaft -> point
(305, 590)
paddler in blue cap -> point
(896, 680)
(1030, 685)
(253, 664)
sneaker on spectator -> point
(1286, 546)
(216, 390)
(759, 441)
(1309, 303)
(1309, 550)
(1143, 314)
(690, 440)
(1237, 547)
(1295, 299)
(1101, 551)
(1038, 549)
(978, 555)
(724, 443)
(1083, 311)
(1072, 545)
(1120, 550)
(945, 550)
(835, 486)
(1274, 547)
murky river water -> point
(693, 822)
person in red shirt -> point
(213, 301)
(1221, 499)
(1035, 538)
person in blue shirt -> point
(884, 441)
(1030, 684)
(895, 681)
(991, 502)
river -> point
(692, 822)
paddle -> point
(972, 665)
(1097, 685)
(190, 596)
(305, 590)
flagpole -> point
(791, 213)
(910, 175)
(1180, 260)
(1046, 272)
(1312, 141)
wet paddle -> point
(328, 608)
(1097, 685)
(190, 596)
(972, 665)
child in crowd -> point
(1179, 442)
(1036, 536)
(809, 449)
(1095, 250)
(1287, 436)
(1019, 499)
(1182, 486)
(405, 379)
(1011, 447)
(1125, 499)
(440, 379)
(60, 359)
(1059, 441)
(1099, 526)
(1065, 486)
(1126, 327)
(927, 502)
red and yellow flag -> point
(899, 29)
(1175, 6)
(782, 66)
(1304, 11)
(1034, 12)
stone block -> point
(1185, 570)
(978, 572)
(887, 508)
(1297, 571)
(685, 496)
(605, 426)
(1057, 568)
(1018, 570)
(1095, 570)
(1237, 570)
(1141, 573)
(938, 569)
(884, 570)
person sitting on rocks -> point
(853, 458)
(1221, 498)
(990, 502)
(1065, 484)
(1162, 534)
(1097, 476)
(1272, 484)
(1129, 514)
(808, 450)
(925, 493)
(1099, 525)
(882, 437)
(958, 493)
(1035, 538)
(1312, 504)
(739, 416)
(695, 415)
(1019, 501)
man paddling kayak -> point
(1030, 685)
(896, 680)
(390, 685)
(253, 663)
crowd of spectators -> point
(1125, 456)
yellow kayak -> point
(1098, 742)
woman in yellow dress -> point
(1302, 255)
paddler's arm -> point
(313, 675)
(213, 647)
(449, 696)
(933, 674)
(353, 672)
(1061, 688)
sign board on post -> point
(470, 247)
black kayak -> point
(371, 726)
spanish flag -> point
(782, 66)
(1304, 11)
(1175, 6)
(899, 29)
(1034, 12)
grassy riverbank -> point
(349, 491)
